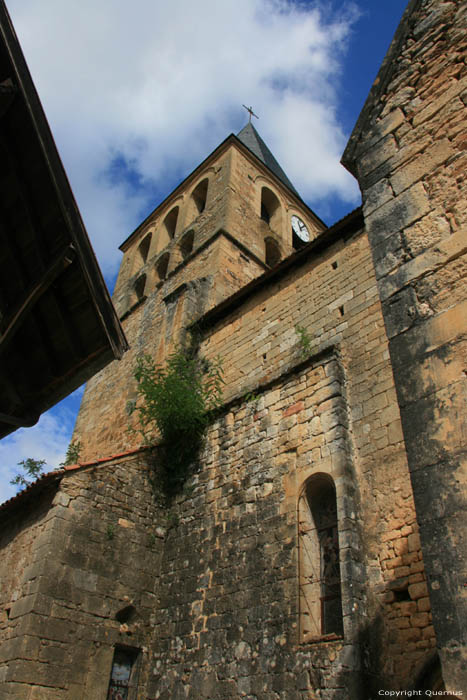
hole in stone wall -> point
(334, 265)
(341, 310)
(126, 614)
(7, 610)
(401, 596)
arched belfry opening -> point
(170, 222)
(319, 576)
(271, 209)
(272, 253)
(143, 248)
(168, 229)
(200, 195)
(186, 244)
(161, 267)
(139, 288)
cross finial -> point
(251, 113)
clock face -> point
(300, 229)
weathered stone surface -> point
(421, 272)
(220, 591)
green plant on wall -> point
(72, 454)
(304, 341)
(175, 401)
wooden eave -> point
(58, 326)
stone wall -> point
(82, 580)
(217, 581)
(409, 154)
(24, 546)
(228, 252)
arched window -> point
(200, 194)
(139, 287)
(186, 244)
(270, 209)
(320, 579)
(161, 267)
(167, 229)
(272, 252)
(170, 222)
(143, 247)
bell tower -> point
(235, 216)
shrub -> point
(175, 401)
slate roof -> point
(253, 141)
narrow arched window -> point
(170, 222)
(272, 252)
(200, 195)
(143, 248)
(139, 287)
(270, 209)
(320, 579)
(161, 267)
(186, 244)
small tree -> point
(72, 454)
(175, 401)
(31, 470)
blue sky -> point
(138, 95)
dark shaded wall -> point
(85, 554)
(409, 154)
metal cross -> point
(251, 113)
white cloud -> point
(161, 84)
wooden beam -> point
(13, 323)
(19, 421)
(7, 94)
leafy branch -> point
(31, 468)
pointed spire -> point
(253, 141)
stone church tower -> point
(227, 223)
(317, 551)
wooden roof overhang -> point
(58, 326)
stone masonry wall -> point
(409, 154)
(228, 616)
(155, 327)
(23, 549)
(334, 297)
(217, 592)
(95, 553)
(228, 252)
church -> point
(316, 549)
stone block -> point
(423, 164)
(398, 213)
(418, 590)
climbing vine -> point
(174, 402)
